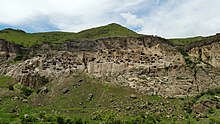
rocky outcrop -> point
(209, 54)
(148, 64)
(8, 50)
(9, 47)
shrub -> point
(26, 91)
(152, 120)
(44, 80)
(77, 121)
(213, 91)
(10, 87)
(28, 118)
(60, 120)
(18, 57)
(211, 111)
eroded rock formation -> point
(148, 64)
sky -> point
(165, 18)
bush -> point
(18, 57)
(211, 111)
(151, 120)
(213, 91)
(44, 80)
(60, 120)
(141, 119)
(77, 121)
(26, 91)
(10, 87)
(28, 118)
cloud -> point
(166, 18)
(68, 15)
(183, 18)
(132, 20)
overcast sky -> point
(166, 18)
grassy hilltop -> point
(111, 30)
(185, 41)
(30, 39)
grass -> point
(111, 30)
(186, 41)
(5, 80)
(30, 39)
(110, 104)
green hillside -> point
(186, 41)
(30, 39)
(111, 30)
(79, 99)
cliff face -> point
(8, 50)
(148, 64)
(209, 54)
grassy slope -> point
(26, 39)
(185, 41)
(30, 39)
(110, 104)
(111, 30)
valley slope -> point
(144, 66)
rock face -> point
(7, 50)
(209, 54)
(148, 64)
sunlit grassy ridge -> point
(30, 39)
(111, 30)
(185, 41)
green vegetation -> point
(69, 103)
(186, 41)
(5, 81)
(30, 39)
(111, 30)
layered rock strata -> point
(150, 65)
